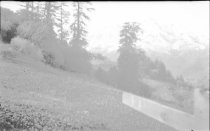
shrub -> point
(26, 47)
(7, 35)
(19, 44)
(43, 37)
(79, 60)
(36, 31)
(16, 116)
(8, 25)
(6, 51)
(53, 47)
(49, 58)
(7, 54)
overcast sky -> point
(186, 17)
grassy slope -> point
(86, 102)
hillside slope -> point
(36, 91)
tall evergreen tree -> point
(129, 34)
(63, 17)
(25, 5)
(32, 6)
(80, 58)
(38, 7)
(80, 16)
(26, 8)
(128, 62)
(28, 12)
(50, 9)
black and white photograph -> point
(104, 65)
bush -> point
(53, 49)
(8, 25)
(27, 48)
(36, 31)
(43, 37)
(19, 44)
(49, 58)
(16, 116)
(79, 60)
(7, 35)
(6, 51)
(7, 54)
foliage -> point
(49, 10)
(48, 58)
(18, 116)
(34, 31)
(8, 18)
(128, 60)
(80, 15)
(26, 47)
(161, 73)
(24, 15)
(129, 33)
(146, 65)
(8, 25)
(107, 77)
(62, 18)
(79, 58)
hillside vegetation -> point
(36, 96)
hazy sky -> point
(185, 17)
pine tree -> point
(32, 6)
(38, 8)
(127, 43)
(129, 34)
(26, 6)
(80, 58)
(78, 25)
(28, 12)
(50, 9)
(63, 17)
(128, 62)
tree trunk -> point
(61, 22)
(78, 20)
(37, 8)
(27, 6)
(32, 6)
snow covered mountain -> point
(184, 53)
(156, 37)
